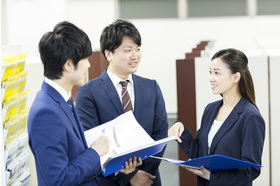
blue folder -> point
(116, 162)
(213, 163)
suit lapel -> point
(228, 123)
(138, 93)
(213, 113)
(63, 105)
(73, 117)
(79, 125)
(110, 90)
(231, 119)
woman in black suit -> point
(232, 126)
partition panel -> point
(186, 98)
(186, 109)
(97, 65)
(275, 121)
(204, 94)
(258, 66)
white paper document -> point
(124, 134)
(174, 162)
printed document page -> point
(124, 134)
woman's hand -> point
(202, 172)
(130, 165)
(176, 130)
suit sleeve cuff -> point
(123, 179)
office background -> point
(169, 29)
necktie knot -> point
(124, 84)
(70, 104)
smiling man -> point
(119, 90)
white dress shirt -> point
(59, 89)
(116, 82)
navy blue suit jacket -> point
(241, 136)
(98, 102)
(58, 144)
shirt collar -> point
(59, 89)
(116, 80)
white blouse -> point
(130, 85)
(214, 129)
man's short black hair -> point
(66, 41)
(112, 35)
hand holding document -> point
(127, 140)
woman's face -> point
(221, 79)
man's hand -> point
(142, 178)
(131, 165)
(101, 145)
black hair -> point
(237, 61)
(112, 35)
(66, 41)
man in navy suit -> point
(100, 100)
(56, 136)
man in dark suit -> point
(104, 98)
(56, 136)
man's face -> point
(125, 59)
(78, 76)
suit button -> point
(91, 178)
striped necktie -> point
(127, 106)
